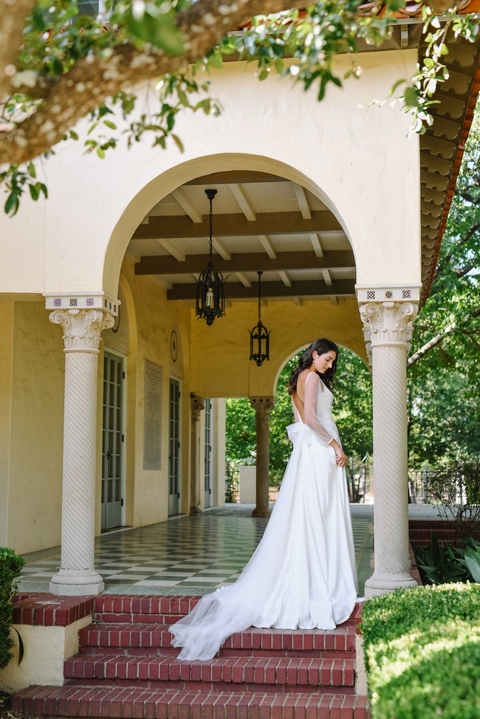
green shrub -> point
(10, 567)
(422, 652)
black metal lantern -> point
(210, 301)
(259, 335)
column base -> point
(76, 583)
(261, 512)
(384, 583)
(195, 511)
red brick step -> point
(146, 609)
(269, 674)
(126, 667)
(258, 642)
(137, 703)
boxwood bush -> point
(422, 652)
(10, 567)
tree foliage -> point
(444, 367)
(352, 409)
(58, 66)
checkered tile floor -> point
(186, 555)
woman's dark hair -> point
(321, 347)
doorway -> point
(207, 501)
(112, 440)
(174, 448)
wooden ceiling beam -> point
(235, 290)
(266, 223)
(251, 262)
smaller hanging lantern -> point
(210, 300)
(259, 335)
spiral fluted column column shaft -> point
(389, 330)
(197, 404)
(262, 406)
(82, 329)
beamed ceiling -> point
(264, 222)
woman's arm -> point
(312, 385)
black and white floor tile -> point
(185, 555)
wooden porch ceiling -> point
(264, 222)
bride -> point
(303, 573)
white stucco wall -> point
(358, 161)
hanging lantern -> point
(259, 335)
(210, 300)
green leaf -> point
(31, 170)
(411, 97)
(215, 60)
(155, 28)
(110, 124)
(34, 192)
(12, 204)
(395, 5)
(472, 560)
(395, 86)
(178, 142)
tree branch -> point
(430, 344)
(467, 236)
(461, 272)
(91, 81)
(438, 338)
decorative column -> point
(82, 328)
(262, 406)
(387, 314)
(196, 404)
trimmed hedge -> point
(422, 652)
(10, 567)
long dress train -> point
(303, 573)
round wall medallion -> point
(174, 346)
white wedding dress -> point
(303, 573)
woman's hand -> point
(340, 456)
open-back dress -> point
(303, 573)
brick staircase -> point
(127, 668)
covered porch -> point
(186, 555)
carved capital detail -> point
(82, 328)
(388, 323)
(262, 405)
(197, 404)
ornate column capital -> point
(196, 404)
(82, 328)
(387, 314)
(262, 405)
(390, 323)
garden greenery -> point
(352, 410)
(441, 565)
(10, 568)
(180, 41)
(422, 652)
